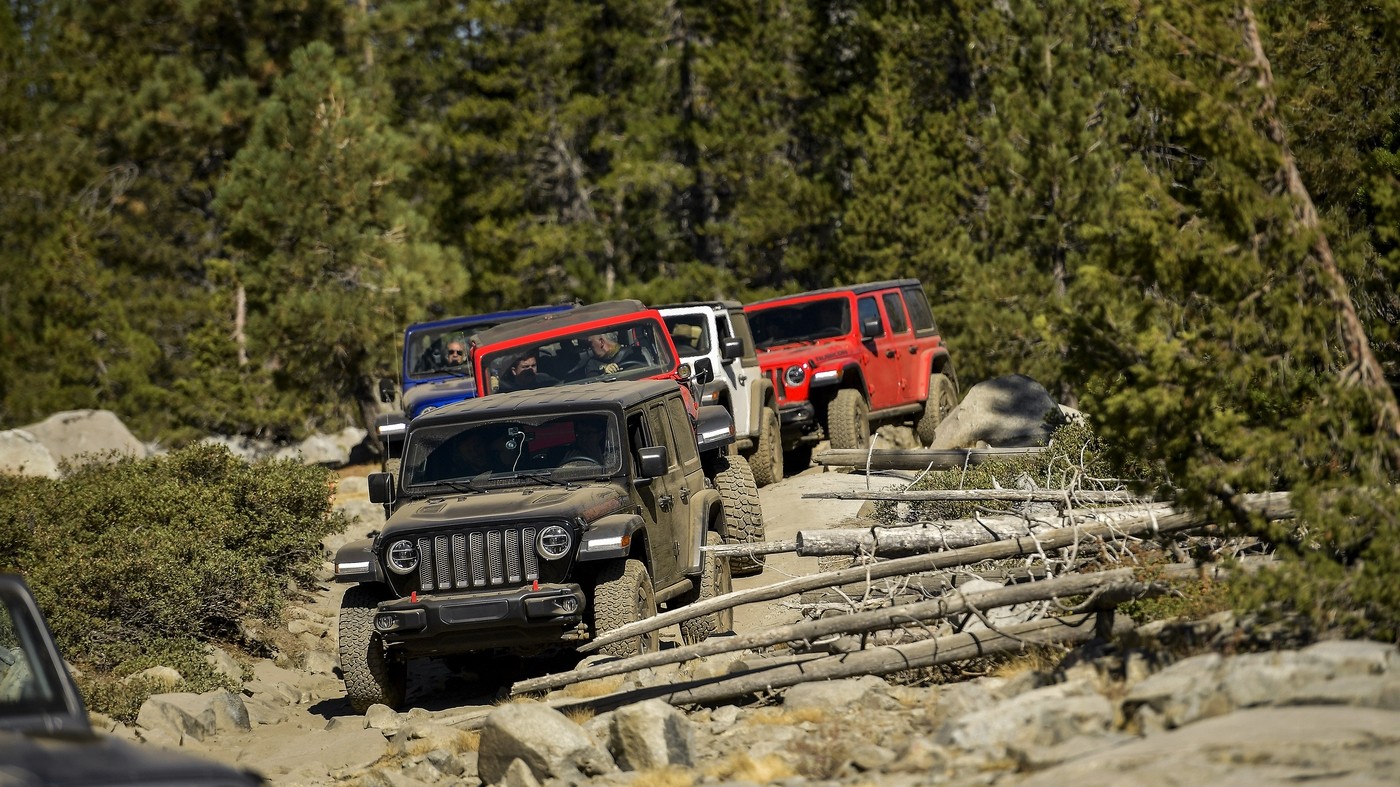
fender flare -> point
(705, 505)
(761, 395)
(609, 537)
(355, 563)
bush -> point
(134, 561)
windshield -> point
(800, 322)
(445, 350)
(513, 451)
(29, 685)
(632, 350)
(689, 334)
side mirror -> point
(386, 389)
(703, 370)
(869, 329)
(652, 461)
(731, 347)
(381, 488)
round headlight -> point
(403, 557)
(795, 375)
(553, 542)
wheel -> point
(372, 674)
(848, 420)
(624, 595)
(766, 461)
(942, 398)
(742, 513)
(714, 580)
(797, 458)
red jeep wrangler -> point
(845, 358)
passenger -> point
(525, 374)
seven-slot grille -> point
(477, 558)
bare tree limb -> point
(1273, 505)
(874, 661)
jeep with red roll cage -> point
(846, 359)
(613, 341)
(535, 520)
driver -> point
(606, 356)
(456, 353)
(588, 442)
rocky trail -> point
(1329, 713)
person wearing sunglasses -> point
(456, 353)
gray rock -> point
(21, 453)
(544, 739)
(650, 734)
(1005, 412)
(224, 664)
(198, 716)
(1353, 746)
(82, 435)
(518, 774)
(1042, 717)
(836, 696)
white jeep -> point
(714, 337)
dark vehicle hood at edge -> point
(84, 759)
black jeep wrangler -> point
(522, 522)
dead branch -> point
(918, 458)
(874, 661)
(1117, 584)
(1062, 496)
(1273, 505)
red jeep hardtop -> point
(845, 358)
(562, 348)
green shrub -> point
(135, 561)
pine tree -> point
(322, 244)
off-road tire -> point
(623, 595)
(714, 580)
(942, 398)
(766, 461)
(372, 675)
(742, 513)
(848, 420)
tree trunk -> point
(918, 459)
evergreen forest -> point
(1181, 216)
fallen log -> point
(951, 534)
(1273, 505)
(918, 458)
(873, 661)
(1065, 496)
(1119, 584)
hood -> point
(816, 354)
(425, 396)
(84, 759)
(588, 501)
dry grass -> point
(779, 716)
(580, 715)
(597, 687)
(742, 767)
(1036, 660)
(669, 776)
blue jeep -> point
(428, 377)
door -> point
(667, 498)
(906, 350)
(881, 359)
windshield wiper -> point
(547, 476)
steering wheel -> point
(581, 461)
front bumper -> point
(799, 422)
(457, 622)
